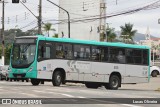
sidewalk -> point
(153, 85)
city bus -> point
(92, 63)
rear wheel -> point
(35, 82)
(114, 83)
(154, 73)
(57, 78)
(92, 85)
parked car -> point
(3, 73)
(154, 70)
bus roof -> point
(89, 42)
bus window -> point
(64, 51)
(145, 57)
(117, 55)
(67, 51)
(99, 54)
(134, 56)
(47, 53)
(59, 51)
(137, 56)
(81, 52)
(44, 52)
(129, 56)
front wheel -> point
(114, 83)
(35, 82)
(57, 78)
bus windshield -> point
(23, 55)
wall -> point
(79, 10)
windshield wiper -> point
(25, 48)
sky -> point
(17, 16)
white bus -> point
(93, 63)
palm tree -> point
(111, 35)
(47, 27)
(128, 31)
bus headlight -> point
(31, 68)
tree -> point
(55, 36)
(111, 35)
(127, 31)
(47, 27)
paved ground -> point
(26, 90)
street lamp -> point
(67, 14)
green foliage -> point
(9, 36)
(111, 35)
(55, 36)
(7, 53)
(47, 27)
(127, 29)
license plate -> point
(19, 76)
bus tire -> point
(154, 73)
(35, 82)
(114, 83)
(57, 78)
(22, 80)
(27, 80)
(92, 85)
(7, 79)
(10, 79)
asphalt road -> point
(68, 91)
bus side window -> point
(145, 57)
(40, 52)
(59, 51)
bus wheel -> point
(10, 80)
(35, 82)
(114, 83)
(92, 85)
(22, 80)
(7, 79)
(27, 80)
(57, 78)
(154, 73)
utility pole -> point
(40, 18)
(103, 20)
(2, 33)
(69, 29)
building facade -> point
(86, 21)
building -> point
(81, 12)
(153, 43)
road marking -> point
(129, 105)
(81, 97)
(68, 95)
(46, 92)
(66, 90)
(32, 95)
